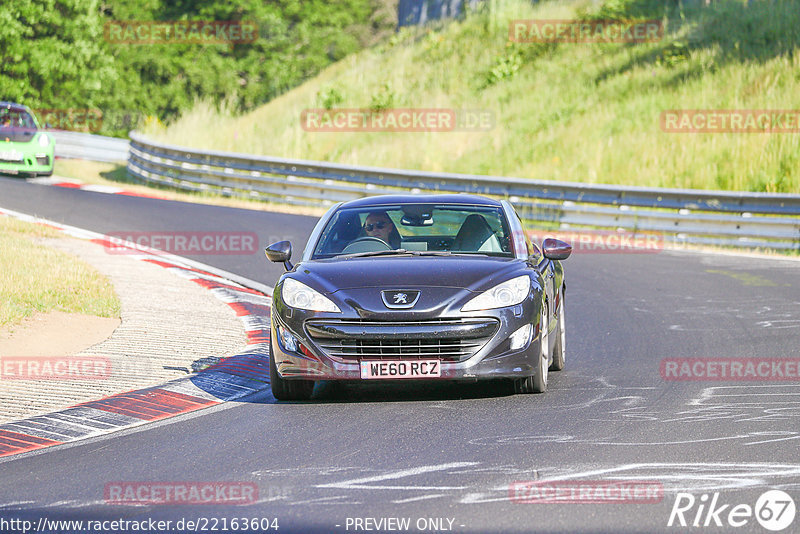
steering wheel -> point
(366, 244)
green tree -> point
(52, 53)
(55, 53)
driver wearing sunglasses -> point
(379, 224)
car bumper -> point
(15, 161)
(305, 358)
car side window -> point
(533, 248)
(340, 233)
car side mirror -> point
(280, 252)
(555, 249)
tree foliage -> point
(54, 54)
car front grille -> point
(450, 340)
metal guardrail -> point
(767, 220)
(88, 146)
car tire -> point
(537, 383)
(287, 390)
(559, 354)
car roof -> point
(382, 200)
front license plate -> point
(389, 369)
(10, 155)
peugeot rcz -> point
(418, 287)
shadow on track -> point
(360, 392)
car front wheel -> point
(287, 390)
(537, 383)
(559, 354)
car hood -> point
(463, 272)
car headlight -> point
(44, 140)
(509, 293)
(298, 295)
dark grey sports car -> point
(419, 287)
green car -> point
(24, 146)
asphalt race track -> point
(445, 455)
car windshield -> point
(11, 118)
(415, 228)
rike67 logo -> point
(774, 510)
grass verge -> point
(38, 278)
(589, 113)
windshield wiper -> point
(431, 253)
(377, 253)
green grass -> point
(577, 112)
(38, 278)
